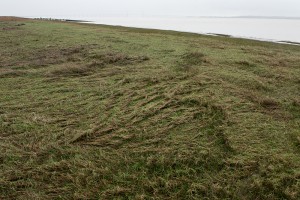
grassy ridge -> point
(100, 112)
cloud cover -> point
(95, 8)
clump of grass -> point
(70, 70)
(269, 103)
(117, 59)
(193, 58)
(74, 50)
(10, 73)
(96, 64)
(50, 55)
(294, 108)
(189, 61)
(245, 64)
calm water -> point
(261, 29)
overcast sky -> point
(96, 8)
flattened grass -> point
(101, 112)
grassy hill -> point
(101, 112)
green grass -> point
(101, 112)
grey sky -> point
(96, 8)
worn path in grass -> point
(101, 112)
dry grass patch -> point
(269, 103)
(70, 70)
(294, 108)
(11, 19)
(116, 59)
(193, 58)
(245, 64)
(10, 73)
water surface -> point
(254, 28)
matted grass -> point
(101, 112)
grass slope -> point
(101, 112)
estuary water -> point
(266, 29)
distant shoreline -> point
(201, 33)
(62, 20)
(212, 34)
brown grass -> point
(10, 19)
(269, 103)
(69, 70)
(193, 58)
(117, 59)
(10, 73)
